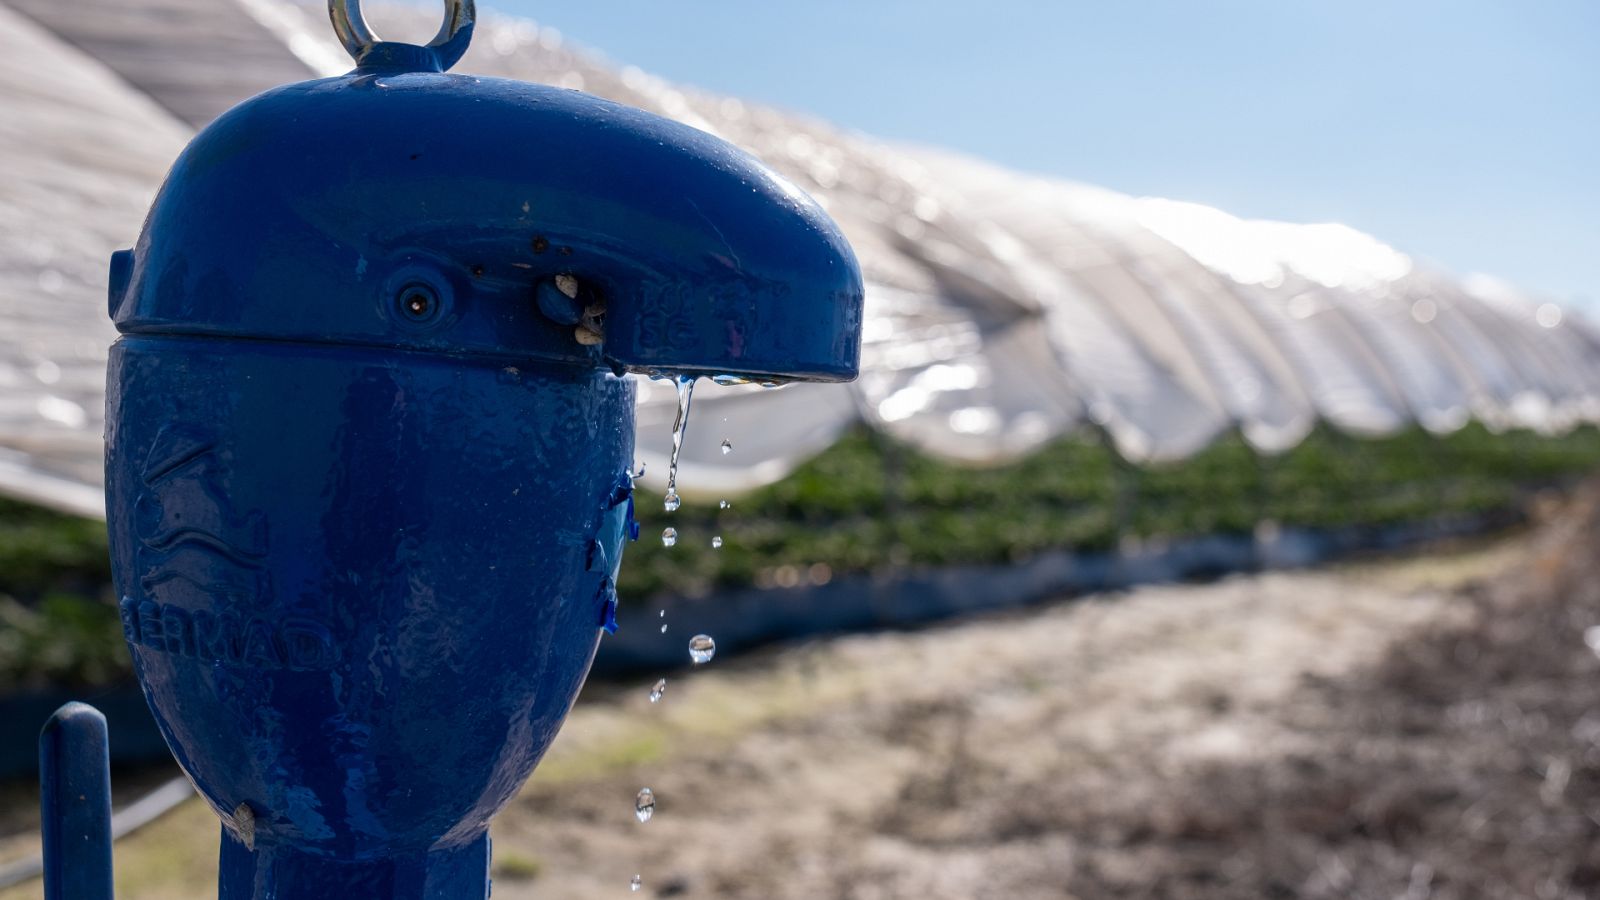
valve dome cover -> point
(308, 212)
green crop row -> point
(868, 503)
(57, 619)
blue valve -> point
(368, 431)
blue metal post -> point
(75, 799)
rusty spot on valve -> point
(244, 819)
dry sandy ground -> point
(1411, 728)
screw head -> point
(417, 303)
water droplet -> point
(659, 689)
(644, 805)
(702, 648)
(669, 536)
(716, 542)
(673, 501)
(663, 614)
(638, 470)
(727, 446)
(680, 426)
(663, 629)
(635, 884)
(725, 505)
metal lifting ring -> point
(449, 44)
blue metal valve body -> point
(367, 486)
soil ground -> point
(1416, 727)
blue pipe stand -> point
(75, 803)
(368, 435)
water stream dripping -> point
(680, 426)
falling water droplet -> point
(716, 542)
(680, 425)
(725, 505)
(727, 446)
(673, 501)
(659, 689)
(663, 629)
(644, 805)
(635, 884)
(702, 648)
(669, 536)
(663, 614)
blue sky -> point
(1463, 132)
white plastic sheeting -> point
(1003, 310)
(80, 156)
